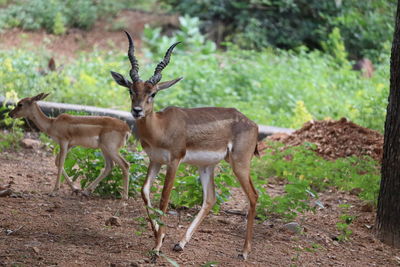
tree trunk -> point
(388, 213)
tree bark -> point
(388, 213)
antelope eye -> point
(153, 95)
(19, 105)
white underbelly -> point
(192, 157)
(203, 157)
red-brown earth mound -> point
(336, 139)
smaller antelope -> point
(108, 134)
(198, 136)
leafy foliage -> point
(87, 164)
(10, 139)
(307, 174)
(57, 15)
(366, 26)
(344, 222)
(13, 134)
(270, 86)
(188, 191)
(256, 24)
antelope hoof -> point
(154, 254)
(242, 256)
(85, 193)
(177, 248)
(75, 191)
(53, 194)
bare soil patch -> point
(102, 36)
(39, 230)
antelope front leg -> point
(60, 164)
(152, 172)
(67, 178)
(169, 182)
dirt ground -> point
(37, 229)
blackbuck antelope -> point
(198, 136)
(108, 134)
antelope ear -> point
(39, 97)
(120, 79)
(168, 84)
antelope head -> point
(142, 93)
(23, 107)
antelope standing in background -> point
(198, 136)
(108, 134)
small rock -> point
(113, 221)
(4, 187)
(5, 193)
(269, 224)
(367, 207)
(368, 226)
(355, 191)
(31, 143)
(293, 227)
(224, 221)
(37, 250)
(172, 212)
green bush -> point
(256, 24)
(307, 174)
(53, 15)
(272, 87)
(10, 138)
(59, 24)
(87, 164)
(367, 26)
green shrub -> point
(336, 48)
(345, 220)
(307, 174)
(87, 164)
(288, 24)
(59, 24)
(366, 26)
(267, 86)
(12, 132)
(257, 23)
(56, 15)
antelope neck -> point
(40, 119)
